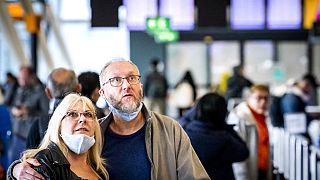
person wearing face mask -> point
(138, 143)
(134, 134)
(71, 147)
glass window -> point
(75, 10)
(316, 61)
(224, 55)
(90, 46)
(180, 59)
(258, 61)
(293, 59)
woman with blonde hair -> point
(71, 147)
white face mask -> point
(78, 143)
(123, 115)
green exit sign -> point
(160, 28)
(155, 24)
(166, 36)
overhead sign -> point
(156, 24)
(167, 36)
(160, 29)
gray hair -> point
(102, 77)
(61, 87)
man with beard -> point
(138, 143)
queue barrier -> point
(293, 157)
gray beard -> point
(125, 108)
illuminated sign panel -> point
(284, 14)
(247, 14)
(180, 12)
(138, 11)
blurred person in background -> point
(295, 100)
(5, 132)
(29, 103)
(10, 88)
(90, 86)
(223, 80)
(237, 83)
(296, 96)
(155, 88)
(61, 81)
(215, 142)
(251, 121)
(313, 91)
(185, 93)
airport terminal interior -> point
(276, 42)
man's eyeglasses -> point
(75, 115)
(118, 81)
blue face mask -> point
(123, 115)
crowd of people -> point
(59, 132)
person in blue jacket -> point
(215, 142)
(5, 132)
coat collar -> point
(57, 155)
(243, 111)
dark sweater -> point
(126, 156)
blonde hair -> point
(53, 134)
(259, 87)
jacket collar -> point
(58, 155)
(243, 111)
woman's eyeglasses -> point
(75, 115)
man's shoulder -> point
(164, 121)
(162, 117)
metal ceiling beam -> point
(11, 34)
(28, 8)
(227, 34)
(56, 30)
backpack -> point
(275, 112)
(157, 87)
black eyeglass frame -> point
(110, 80)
